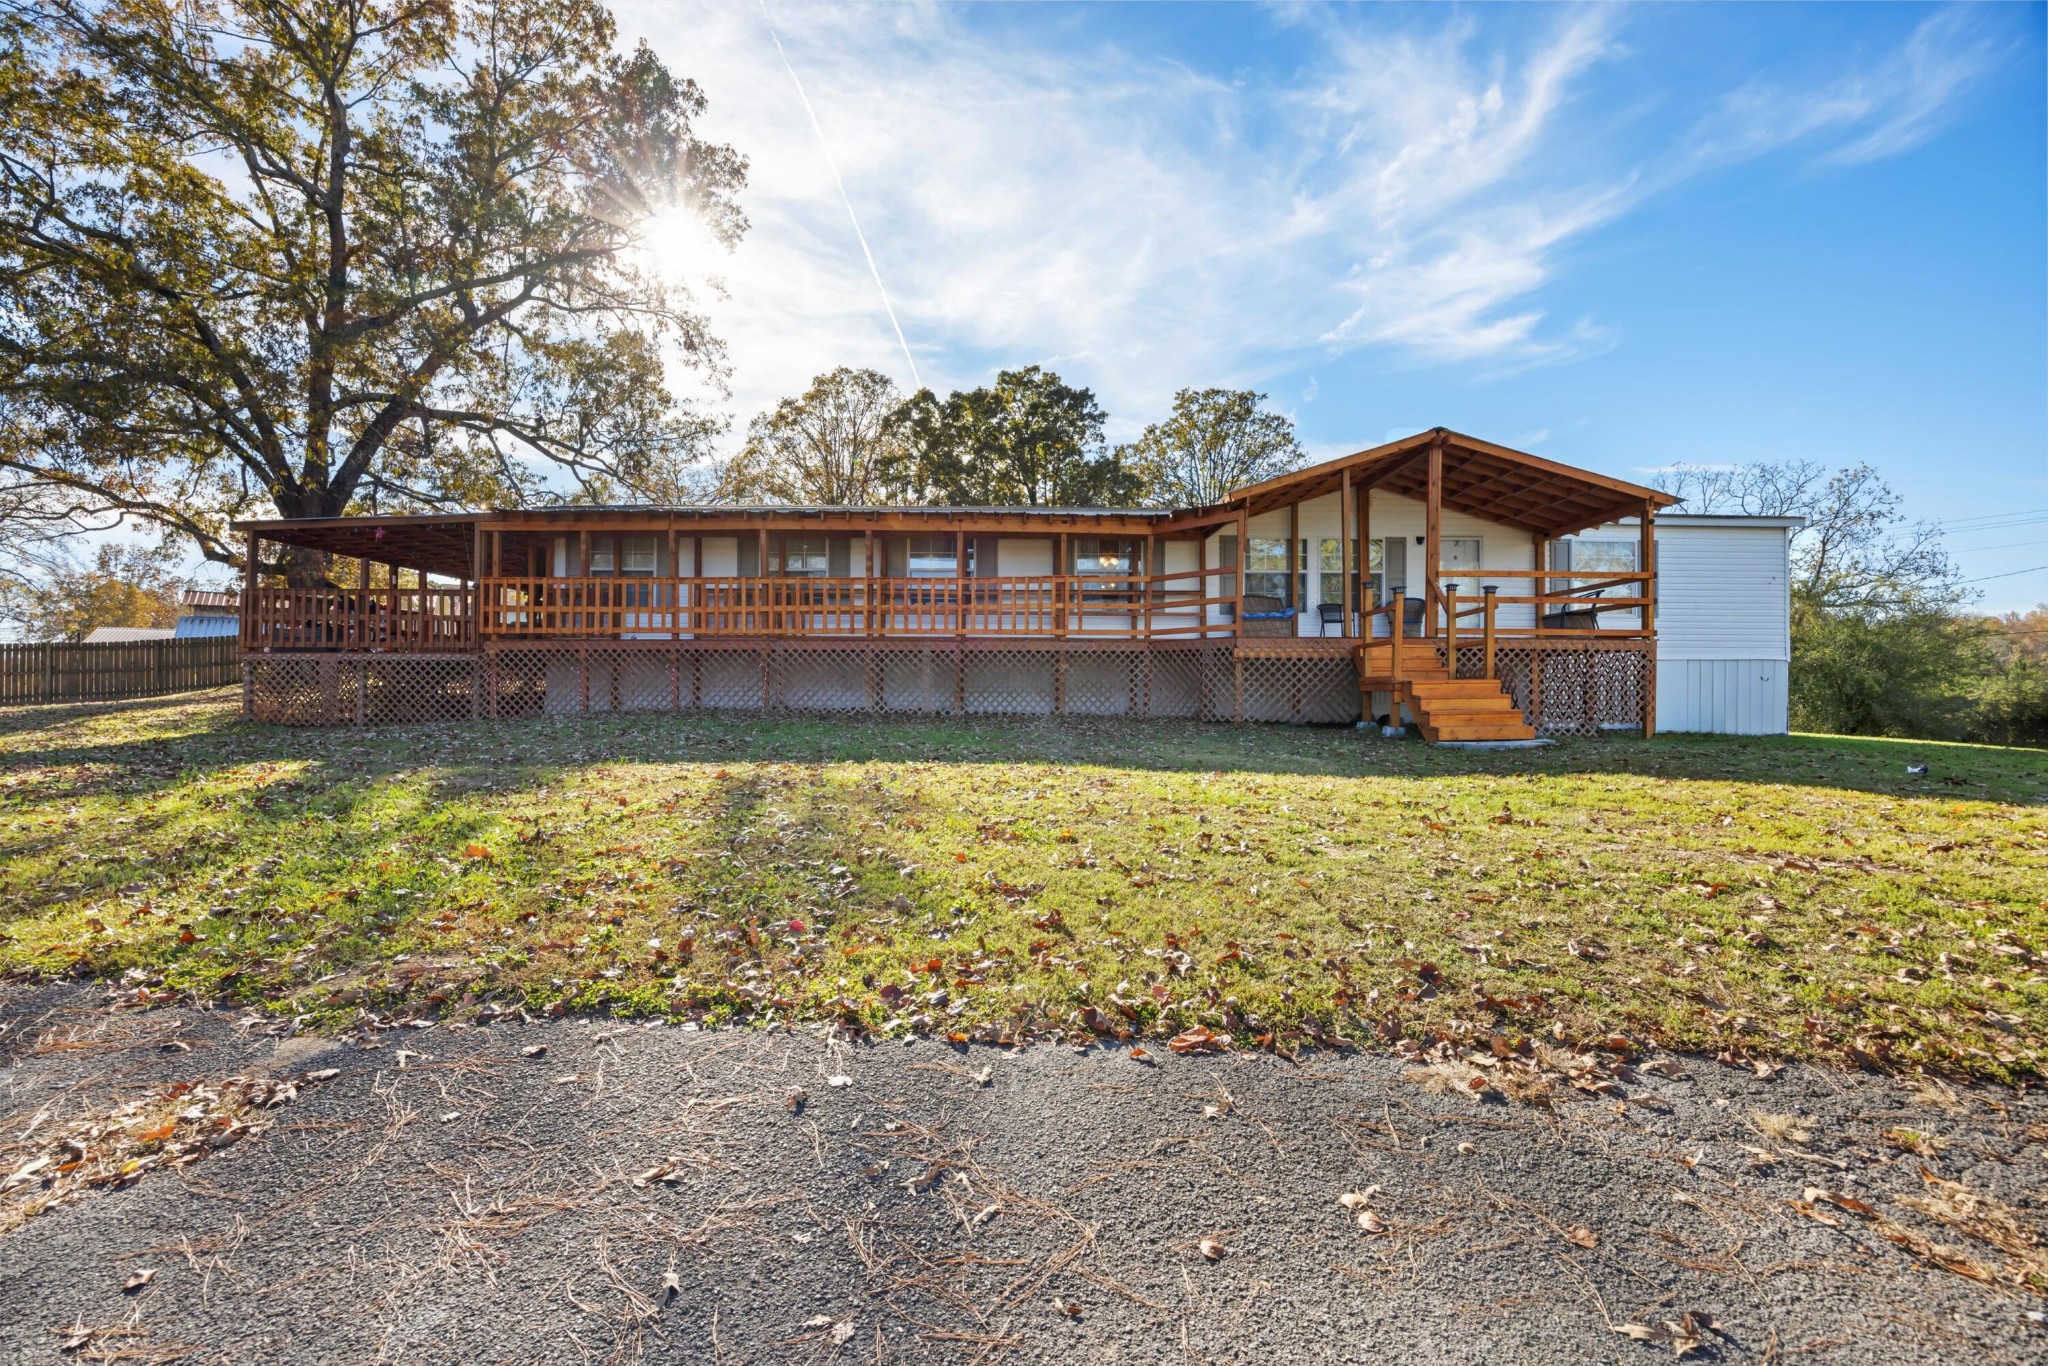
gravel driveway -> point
(587, 1190)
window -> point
(1594, 559)
(799, 557)
(1591, 561)
(1330, 572)
(639, 555)
(1115, 559)
(618, 555)
(1265, 567)
(1100, 555)
(933, 557)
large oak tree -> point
(1216, 442)
(317, 255)
(832, 445)
(1028, 440)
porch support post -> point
(1363, 499)
(960, 583)
(1237, 622)
(1486, 627)
(1646, 561)
(1244, 547)
(867, 560)
(1149, 587)
(760, 619)
(1347, 518)
(247, 625)
(1451, 633)
(1293, 558)
(1062, 566)
(675, 602)
(1433, 537)
(1539, 546)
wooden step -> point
(1456, 687)
(1473, 716)
(1380, 666)
(1517, 731)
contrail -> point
(851, 217)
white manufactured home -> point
(1477, 592)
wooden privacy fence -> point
(112, 670)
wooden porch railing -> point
(390, 619)
(1071, 606)
(1176, 605)
(1582, 599)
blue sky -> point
(1621, 237)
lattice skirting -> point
(1586, 688)
(340, 690)
(1206, 683)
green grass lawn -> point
(1777, 897)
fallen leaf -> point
(72, 1338)
(1371, 1222)
(1211, 1249)
(1199, 1039)
(1578, 1235)
(1358, 1199)
(534, 1050)
(137, 1280)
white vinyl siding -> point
(1721, 592)
(1723, 696)
(1724, 623)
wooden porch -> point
(1464, 650)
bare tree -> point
(1857, 552)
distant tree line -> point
(1028, 440)
(1883, 638)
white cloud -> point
(1146, 226)
(1890, 106)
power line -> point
(1993, 517)
(2009, 545)
(2012, 574)
(1994, 530)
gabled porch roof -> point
(1497, 483)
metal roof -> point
(123, 635)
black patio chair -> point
(1412, 610)
(1329, 614)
